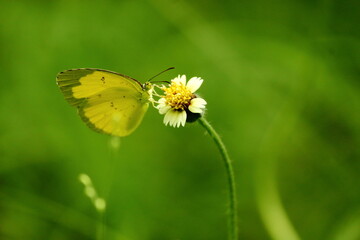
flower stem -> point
(233, 228)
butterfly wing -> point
(108, 102)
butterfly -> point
(108, 102)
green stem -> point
(233, 227)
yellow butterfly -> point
(108, 102)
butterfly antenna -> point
(170, 68)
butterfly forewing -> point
(77, 84)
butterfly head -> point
(147, 86)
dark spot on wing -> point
(112, 105)
(103, 80)
(99, 95)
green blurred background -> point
(282, 86)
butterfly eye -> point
(147, 86)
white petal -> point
(176, 80)
(195, 110)
(163, 109)
(194, 84)
(180, 119)
(183, 118)
(175, 118)
(183, 79)
(180, 79)
(198, 102)
(162, 100)
(197, 105)
(161, 105)
(169, 117)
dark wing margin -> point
(68, 79)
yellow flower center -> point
(178, 96)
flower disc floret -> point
(178, 96)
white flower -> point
(179, 101)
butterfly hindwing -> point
(108, 113)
